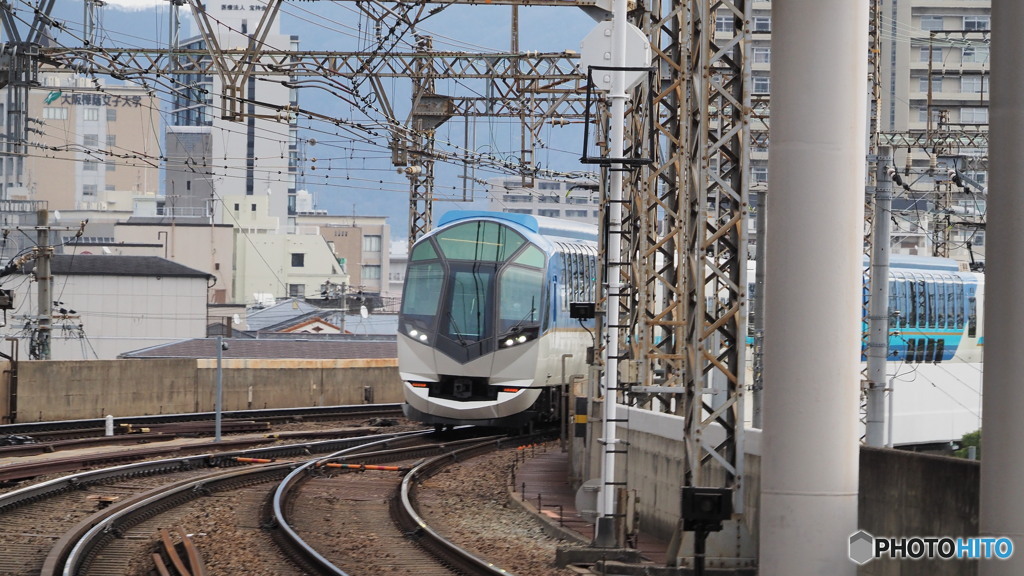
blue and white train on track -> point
(485, 335)
(936, 340)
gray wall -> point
(57, 390)
(908, 494)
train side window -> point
(940, 301)
(951, 302)
(960, 306)
(930, 287)
(972, 317)
(911, 304)
(893, 305)
(922, 303)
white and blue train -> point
(936, 342)
(485, 335)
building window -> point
(549, 185)
(519, 211)
(931, 23)
(88, 190)
(371, 243)
(549, 213)
(759, 174)
(974, 55)
(111, 141)
(762, 24)
(236, 207)
(973, 115)
(111, 114)
(517, 198)
(761, 85)
(91, 114)
(252, 208)
(111, 166)
(296, 290)
(973, 84)
(934, 54)
(298, 260)
(575, 213)
(89, 165)
(976, 22)
(922, 84)
(90, 140)
(55, 113)
(370, 272)
(922, 114)
(550, 199)
(723, 23)
(762, 55)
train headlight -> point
(519, 337)
(417, 335)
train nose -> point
(462, 388)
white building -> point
(570, 200)
(275, 265)
(210, 158)
(107, 305)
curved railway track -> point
(345, 501)
(34, 517)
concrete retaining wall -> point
(901, 493)
(908, 494)
(58, 390)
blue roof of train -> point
(539, 224)
(924, 263)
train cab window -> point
(479, 241)
(422, 292)
(532, 256)
(467, 319)
(520, 298)
(424, 251)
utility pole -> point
(878, 304)
(43, 277)
(39, 347)
(760, 256)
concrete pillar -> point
(813, 287)
(1002, 455)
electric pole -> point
(878, 306)
(43, 277)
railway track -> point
(33, 518)
(86, 524)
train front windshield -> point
(473, 288)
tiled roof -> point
(113, 265)
(311, 348)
